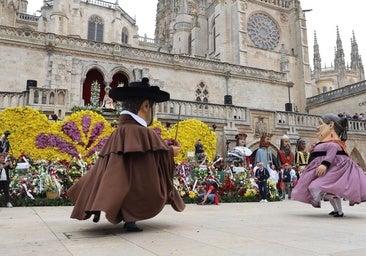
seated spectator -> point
(209, 194)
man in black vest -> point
(261, 177)
(288, 179)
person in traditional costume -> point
(132, 179)
(241, 146)
(285, 154)
(301, 154)
(331, 174)
(239, 155)
(264, 154)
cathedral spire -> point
(339, 62)
(356, 63)
(316, 58)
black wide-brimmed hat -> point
(139, 90)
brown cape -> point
(132, 178)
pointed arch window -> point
(44, 97)
(95, 28)
(124, 38)
(202, 93)
(213, 35)
(61, 98)
(52, 98)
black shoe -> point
(333, 213)
(88, 214)
(337, 215)
(132, 228)
(96, 216)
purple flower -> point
(85, 123)
(157, 130)
(97, 147)
(72, 130)
(97, 130)
(43, 140)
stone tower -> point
(9, 10)
(325, 78)
(268, 35)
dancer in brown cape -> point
(132, 179)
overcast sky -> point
(324, 18)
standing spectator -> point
(132, 179)
(361, 116)
(288, 179)
(5, 166)
(280, 182)
(199, 150)
(274, 174)
(355, 116)
(261, 176)
(331, 173)
(4, 142)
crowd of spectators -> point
(356, 116)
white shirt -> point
(134, 116)
(274, 175)
(3, 174)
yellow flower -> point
(25, 124)
(189, 131)
(192, 194)
(250, 192)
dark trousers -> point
(4, 185)
(262, 186)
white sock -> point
(332, 201)
(338, 203)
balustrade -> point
(54, 100)
(337, 94)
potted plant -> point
(50, 187)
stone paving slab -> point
(276, 228)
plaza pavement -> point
(273, 228)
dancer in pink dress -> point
(331, 174)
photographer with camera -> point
(5, 166)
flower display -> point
(46, 176)
(33, 134)
(25, 124)
(71, 130)
(189, 131)
(82, 133)
(65, 150)
(50, 184)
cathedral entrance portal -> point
(95, 86)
